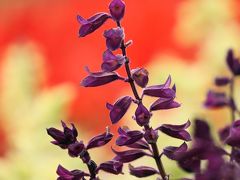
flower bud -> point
(117, 9)
(140, 76)
(151, 136)
(75, 149)
(114, 38)
(142, 115)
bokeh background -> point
(42, 62)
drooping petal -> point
(117, 9)
(119, 108)
(113, 167)
(142, 171)
(164, 103)
(93, 23)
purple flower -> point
(111, 62)
(117, 9)
(63, 138)
(222, 81)
(233, 62)
(74, 150)
(164, 103)
(99, 140)
(128, 137)
(141, 144)
(176, 131)
(114, 38)
(216, 100)
(140, 76)
(151, 135)
(91, 24)
(99, 78)
(234, 135)
(172, 152)
(113, 167)
(119, 108)
(163, 90)
(65, 174)
(142, 115)
(142, 171)
(129, 155)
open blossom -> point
(91, 24)
(113, 167)
(65, 174)
(164, 103)
(172, 152)
(99, 140)
(142, 171)
(114, 38)
(111, 62)
(117, 9)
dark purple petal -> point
(128, 155)
(162, 90)
(113, 167)
(128, 137)
(75, 149)
(119, 108)
(172, 152)
(65, 174)
(99, 140)
(151, 135)
(99, 78)
(234, 135)
(141, 144)
(216, 100)
(233, 62)
(140, 76)
(164, 103)
(117, 9)
(200, 127)
(176, 131)
(222, 81)
(93, 23)
(142, 115)
(111, 62)
(114, 38)
(142, 171)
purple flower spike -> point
(74, 150)
(99, 140)
(63, 138)
(91, 24)
(142, 171)
(222, 81)
(65, 174)
(128, 137)
(151, 136)
(163, 90)
(119, 108)
(117, 9)
(164, 103)
(128, 155)
(216, 100)
(234, 135)
(176, 131)
(142, 115)
(172, 152)
(113, 167)
(99, 78)
(114, 38)
(111, 62)
(140, 76)
(233, 62)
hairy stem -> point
(154, 146)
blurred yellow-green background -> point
(42, 60)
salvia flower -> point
(141, 144)
(151, 135)
(142, 115)
(216, 100)
(74, 150)
(140, 76)
(234, 134)
(142, 171)
(128, 137)
(173, 152)
(113, 167)
(162, 90)
(91, 24)
(111, 62)
(65, 174)
(114, 38)
(119, 108)
(176, 131)
(63, 138)
(100, 140)
(117, 9)
(164, 103)
(233, 62)
(99, 78)
(222, 81)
